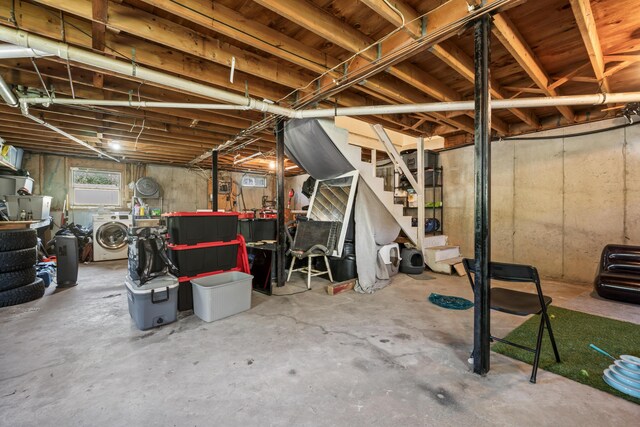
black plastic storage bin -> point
(245, 227)
(255, 230)
(192, 228)
(343, 269)
(264, 229)
(185, 296)
(204, 258)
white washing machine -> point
(110, 235)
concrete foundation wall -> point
(183, 189)
(555, 202)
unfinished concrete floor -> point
(392, 358)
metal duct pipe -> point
(498, 104)
(66, 52)
(10, 51)
(551, 101)
(150, 104)
(25, 112)
(7, 94)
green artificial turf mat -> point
(574, 331)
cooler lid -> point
(167, 281)
(170, 214)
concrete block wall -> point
(556, 202)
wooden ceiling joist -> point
(587, 26)
(162, 31)
(446, 51)
(513, 41)
(281, 46)
(331, 28)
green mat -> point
(574, 331)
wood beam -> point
(31, 17)
(230, 23)
(446, 51)
(98, 28)
(513, 41)
(567, 77)
(150, 27)
(454, 57)
(333, 29)
(589, 32)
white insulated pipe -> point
(10, 51)
(66, 52)
(150, 104)
(497, 104)
(25, 112)
(6, 94)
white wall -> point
(555, 202)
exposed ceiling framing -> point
(305, 53)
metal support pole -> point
(214, 180)
(482, 220)
(282, 242)
(420, 191)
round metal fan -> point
(147, 187)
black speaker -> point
(67, 260)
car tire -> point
(13, 240)
(15, 279)
(18, 260)
(23, 294)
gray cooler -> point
(153, 304)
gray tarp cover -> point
(375, 227)
(309, 143)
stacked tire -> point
(18, 256)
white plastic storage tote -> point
(221, 295)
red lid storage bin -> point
(192, 228)
(204, 257)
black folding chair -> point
(518, 303)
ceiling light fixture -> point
(115, 145)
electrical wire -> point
(293, 293)
(44, 86)
(543, 138)
(571, 135)
(396, 10)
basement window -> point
(91, 187)
(254, 181)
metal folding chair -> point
(518, 303)
(313, 239)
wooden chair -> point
(313, 239)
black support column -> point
(282, 240)
(214, 180)
(482, 219)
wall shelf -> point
(4, 165)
